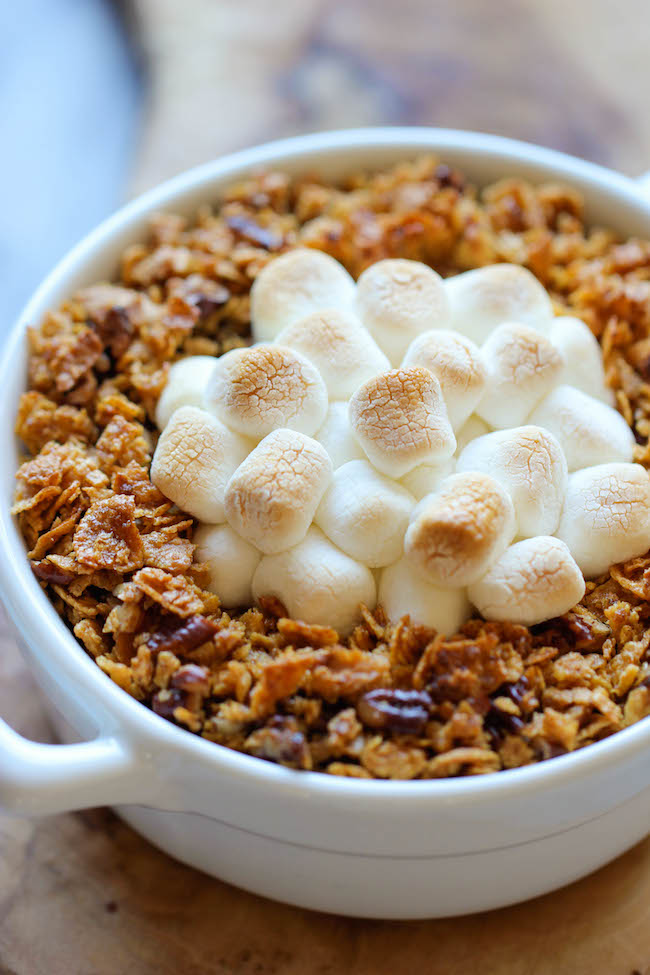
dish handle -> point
(39, 780)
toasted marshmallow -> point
(365, 514)
(460, 529)
(475, 427)
(264, 388)
(403, 591)
(400, 420)
(317, 582)
(194, 459)
(342, 350)
(399, 299)
(589, 431)
(606, 516)
(582, 357)
(273, 495)
(186, 385)
(293, 286)
(529, 462)
(534, 580)
(481, 300)
(425, 478)
(522, 366)
(336, 436)
(456, 362)
(231, 563)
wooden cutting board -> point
(83, 894)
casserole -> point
(369, 848)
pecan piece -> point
(192, 677)
(280, 741)
(48, 572)
(166, 702)
(184, 638)
(402, 712)
(252, 232)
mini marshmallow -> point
(522, 366)
(589, 431)
(400, 420)
(481, 300)
(606, 516)
(231, 563)
(456, 363)
(404, 592)
(399, 299)
(365, 514)
(317, 583)
(338, 345)
(186, 385)
(294, 285)
(266, 387)
(273, 495)
(194, 459)
(528, 461)
(457, 532)
(533, 581)
(336, 436)
(582, 357)
(425, 478)
(475, 427)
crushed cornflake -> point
(394, 700)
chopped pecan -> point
(280, 741)
(184, 638)
(166, 702)
(394, 710)
(250, 230)
(51, 573)
(204, 294)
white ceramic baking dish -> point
(368, 848)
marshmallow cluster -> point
(435, 446)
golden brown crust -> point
(393, 700)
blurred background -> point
(100, 99)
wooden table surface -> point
(83, 894)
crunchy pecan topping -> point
(40, 420)
(107, 536)
(391, 709)
(280, 741)
(191, 677)
(250, 230)
(50, 573)
(301, 634)
(205, 295)
(271, 606)
(166, 702)
(116, 331)
(174, 593)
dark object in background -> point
(69, 107)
